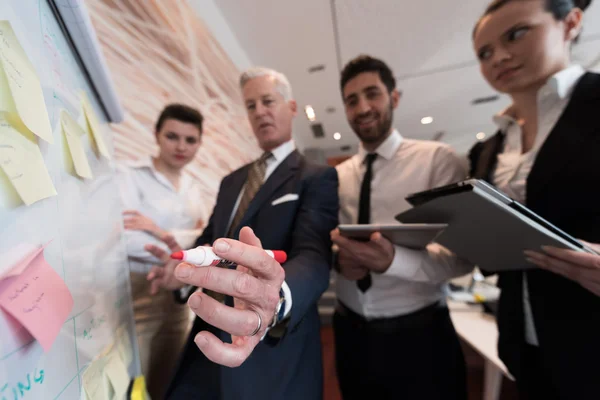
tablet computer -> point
(415, 236)
(485, 226)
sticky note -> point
(20, 89)
(117, 375)
(37, 298)
(124, 345)
(138, 390)
(94, 126)
(74, 134)
(22, 161)
(13, 262)
(93, 380)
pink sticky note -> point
(38, 298)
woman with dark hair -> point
(544, 155)
(162, 204)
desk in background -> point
(480, 331)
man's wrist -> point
(280, 310)
(284, 307)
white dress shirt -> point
(514, 166)
(416, 278)
(146, 190)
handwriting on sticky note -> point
(74, 134)
(22, 162)
(94, 126)
(38, 299)
(20, 90)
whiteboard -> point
(82, 225)
(76, 20)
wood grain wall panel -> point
(161, 52)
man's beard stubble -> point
(383, 128)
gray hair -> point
(281, 82)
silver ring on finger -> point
(259, 324)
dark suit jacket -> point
(288, 367)
(564, 188)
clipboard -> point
(485, 226)
(414, 236)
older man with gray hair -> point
(266, 325)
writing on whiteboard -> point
(94, 324)
(19, 390)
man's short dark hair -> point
(365, 63)
(181, 113)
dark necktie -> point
(364, 210)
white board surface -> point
(82, 225)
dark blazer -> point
(289, 366)
(564, 188)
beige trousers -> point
(162, 327)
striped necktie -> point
(256, 177)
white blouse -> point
(514, 166)
(148, 191)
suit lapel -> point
(282, 174)
(232, 192)
(568, 135)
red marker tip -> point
(279, 256)
(178, 255)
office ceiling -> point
(427, 43)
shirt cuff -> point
(184, 292)
(405, 264)
(284, 307)
(287, 295)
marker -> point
(204, 256)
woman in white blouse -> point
(160, 200)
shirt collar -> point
(560, 85)
(283, 150)
(387, 149)
(144, 162)
(147, 163)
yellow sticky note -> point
(124, 345)
(20, 90)
(74, 133)
(21, 160)
(93, 381)
(138, 390)
(117, 375)
(94, 126)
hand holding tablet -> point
(415, 236)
